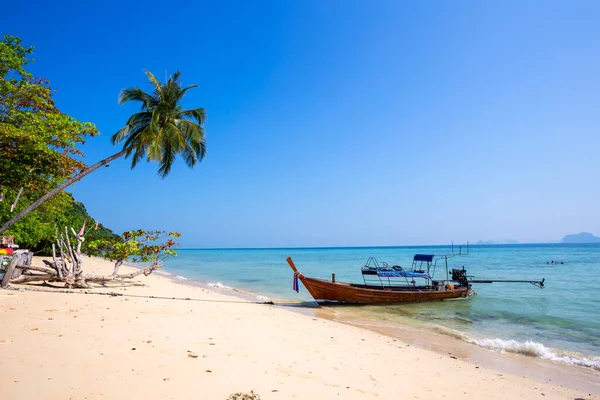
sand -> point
(87, 346)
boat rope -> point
(115, 294)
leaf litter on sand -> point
(191, 354)
(244, 396)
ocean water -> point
(560, 322)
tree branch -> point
(106, 278)
(40, 269)
(34, 278)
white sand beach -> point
(56, 345)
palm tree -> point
(159, 133)
(162, 130)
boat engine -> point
(460, 276)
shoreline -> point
(149, 345)
(433, 337)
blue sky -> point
(340, 123)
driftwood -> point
(82, 280)
(66, 265)
(20, 258)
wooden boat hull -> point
(340, 292)
(347, 293)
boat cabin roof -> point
(423, 257)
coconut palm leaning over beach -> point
(160, 132)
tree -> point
(38, 142)
(163, 129)
(62, 210)
(135, 246)
(67, 261)
(159, 133)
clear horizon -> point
(399, 246)
(340, 124)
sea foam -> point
(218, 285)
(538, 350)
(528, 348)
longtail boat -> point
(385, 284)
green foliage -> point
(38, 143)
(163, 129)
(37, 230)
(13, 56)
(38, 148)
(73, 215)
(136, 246)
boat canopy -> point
(402, 274)
(423, 257)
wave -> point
(262, 298)
(450, 332)
(183, 278)
(528, 348)
(537, 350)
(218, 285)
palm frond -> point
(199, 149)
(155, 82)
(138, 138)
(143, 118)
(194, 153)
(155, 146)
(167, 160)
(178, 139)
(120, 135)
(136, 94)
(196, 147)
(137, 156)
(192, 131)
(198, 114)
(184, 90)
(172, 93)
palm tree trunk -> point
(58, 189)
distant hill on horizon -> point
(583, 237)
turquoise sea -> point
(560, 322)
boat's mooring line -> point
(114, 294)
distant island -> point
(508, 241)
(583, 237)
